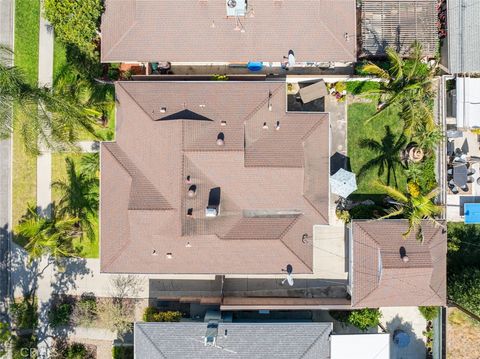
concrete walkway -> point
(6, 38)
(44, 177)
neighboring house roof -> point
(468, 102)
(397, 24)
(243, 340)
(463, 40)
(360, 346)
(273, 183)
(382, 278)
(200, 31)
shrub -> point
(464, 289)
(218, 77)
(85, 312)
(340, 86)
(343, 215)
(76, 22)
(361, 318)
(24, 314)
(152, 314)
(121, 352)
(60, 315)
(66, 350)
(429, 313)
(366, 212)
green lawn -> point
(59, 172)
(358, 128)
(27, 17)
(59, 57)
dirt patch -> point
(463, 336)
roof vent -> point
(190, 212)
(213, 207)
(188, 179)
(220, 139)
(192, 190)
(403, 255)
(277, 126)
(265, 126)
(163, 109)
(169, 255)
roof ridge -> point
(138, 178)
(120, 83)
(289, 227)
(365, 231)
(117, 255)
(263, 102)
(123, 36)
(314, 342)
(151, 341)
(315, 208)
(296, 255)
(312, 129)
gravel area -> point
(463, 336)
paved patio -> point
(469, 144)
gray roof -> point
(244, 340)
(463, 35)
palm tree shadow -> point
(388, 154)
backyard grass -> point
(89, 249)
(27, 17)
(359, 128)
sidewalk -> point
(6, 38)
(44, 179)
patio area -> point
(463, 173)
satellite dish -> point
(289, 278)
(291, 58)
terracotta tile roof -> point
(200, 31)
(266, 204)
(381, 278)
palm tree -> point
(96, 98)
(387, 151)
(90, 164)
(44, 235)
(430, 139)
(79, 199)
(407, 88)
(413, 206)
(42, 116)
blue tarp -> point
(254, 66)
(472, 213)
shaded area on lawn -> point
(358, 129)
(89, 249)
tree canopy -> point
(76, 22)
